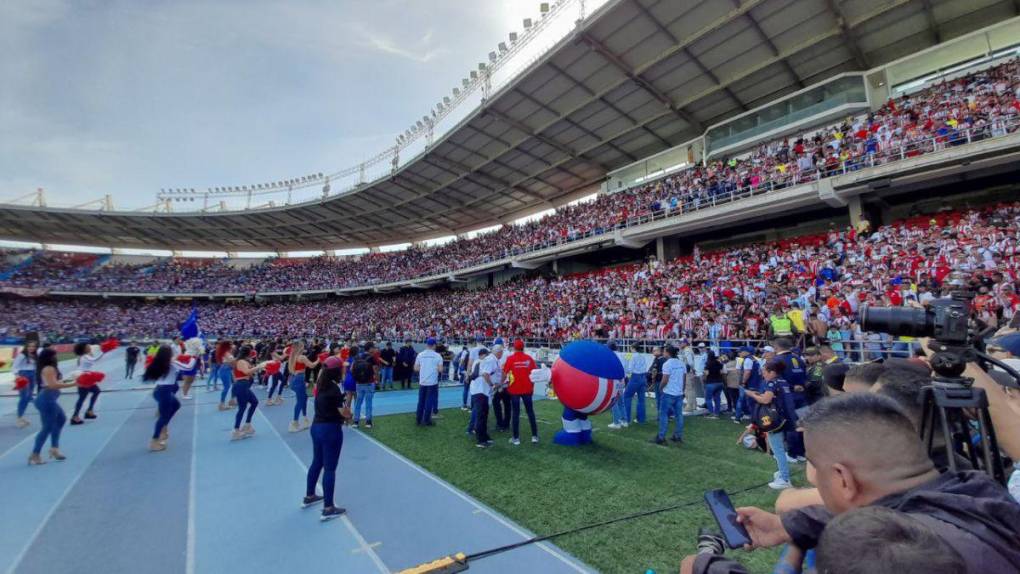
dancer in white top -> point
(24, 366)
(163, 372)
(86, 360)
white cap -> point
(769, 349)
(702, 345)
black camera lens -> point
(899, 321)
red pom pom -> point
(182, 358)
(90, 378)
(109, 345)
(323, 357)
(148, 360)
(254, 354)
(272, 367)
(21, 382)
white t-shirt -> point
(676, 369)
(487, 365)
(428, 362)
(473, 356)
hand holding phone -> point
(726, 517)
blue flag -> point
(189, 328)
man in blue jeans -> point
(674, 372)
(637, 383)
(389, 358)
(427, 364)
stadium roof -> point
(638, 77)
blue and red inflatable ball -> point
(584, 377)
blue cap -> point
(430, 341)
(1010, 343)
(498, 341)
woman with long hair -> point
(24, 366)
(224, 357)
(296, 365)
(53, 417)
(85, 362)
(194, 348)
(163, 371)
(244, 373)
(276, 380)
(327, 439)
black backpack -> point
(361, 369)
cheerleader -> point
(24, 366)
(225, 359)
(85, 362)
(244, 372)
(51, 415)
(327, 439)
(194, 348)
(296, 365)
(163, 371)
(276, 380)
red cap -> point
(519, 345)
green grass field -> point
(623, 473)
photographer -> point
(865, 452)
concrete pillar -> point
(490, 279)
(374, 249)
(856, 213)
(660, 249)
(556, 266)
(668, 248)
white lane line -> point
(362, 543)
(63, 495)
(190, 561)
(20, 442)
(478, 506)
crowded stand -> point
(810, 285)
(977, 106)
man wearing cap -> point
(637, 382)
(427, 364)
(517, 372)
(485, 376)
(405, 364)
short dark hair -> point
(80, 348)
(904, 387)
(782, 343)
(883, 540)
(834, 375)
(854, 411)
(866, 373)
(777, 367)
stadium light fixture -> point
(465, 82)
(513, 37)
(543, 8)
(456, 92)
(446, 100)
(502, 48)
(474, 76)
(527, 23)
(492, 57)
(481, 66)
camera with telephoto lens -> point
(945, 320)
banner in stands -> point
(24, 291)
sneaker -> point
(186, 397)
(614, 426)
(306, 423)
(156, 446)
(790, 460)
(356, 424)
(482, 445)
(775, 476)
(223, 407)
(801, 459)
(22, 422)
(780, 484)
(490, 442)
(658, 441)
(534, 440)
(677, 439)
(368, 425)
(624, 424)
(294, 427)
(515, 441)
(331, 513)
(236, 435)
(90, 415)
(248, 430)
(232, 403)
(465, 408)
(77, 421)
(310, 501)
(745, 418)
(735, 420)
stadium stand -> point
(980, 105)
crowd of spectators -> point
(816, 283)
(977, 106)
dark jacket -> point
(405, 363)
(970, 511)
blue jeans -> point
(386, 377)
(515, 414)
(741, 406)
(658, 398)
(297, 384)
(53, 419)
(168, 405)
(620, 408)
(779, 453)
(327, 440)
(426, 396)
(212, 376)
(467, 388)
(635, 390)
(25, 394)
(245, 400)
(275, 382)
(671, 404)
(227, 378)
(712, 398)
(364, 395)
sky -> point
(128, 97)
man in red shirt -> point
(517, 369)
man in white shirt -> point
(696, 378)
(481, 389)
(428, 365)
(637, 382)
(674, 372)
(500, 394)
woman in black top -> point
(327, 439)
(714, 383)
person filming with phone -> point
(863, 451)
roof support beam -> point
(635, 77)
(933, 24)
(587, 131)
(690, 56)
(772, 46)
(848, 35)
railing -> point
(706, 200)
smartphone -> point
(722, 509)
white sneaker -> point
(22, 423)
(186, 397)
(236, 435)
(624, 425)
(306, 423)
(801, 459)
(515, 442)
(294, 427)
(534, 440)
(791, 460)
(775, 475)
(780, 484)
(614, 426)
(248, 430)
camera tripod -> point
(947, 401)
